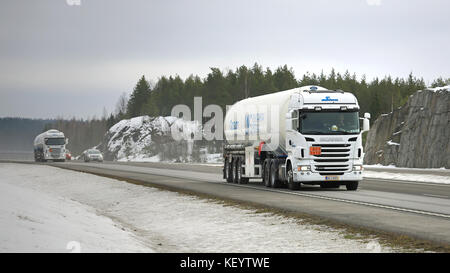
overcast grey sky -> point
(67, 60)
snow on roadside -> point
(430, 178)
(33, 221)
(379, 166)
(164, 221)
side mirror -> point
(366, 125)
(67, 141)
(367, 115)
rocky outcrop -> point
(147, 138)
(415, 135)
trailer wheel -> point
(290, 179)
(240, 179)
(227, 170)
(352, 185)
(234, 170)
(274, 180)
(266, 172)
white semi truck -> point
(50, 145)
(306, 135)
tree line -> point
(376, 96)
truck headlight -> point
(303, 168)
(357, 167)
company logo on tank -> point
(252, 121)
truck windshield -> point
(55, 141)
(329, 123)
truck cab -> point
(324, 138)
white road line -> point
(406, 182)
(438, 196)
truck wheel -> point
(352, 185)
(240, 179)
(233, 170)
(274, 181)
(290, 180)
(227, 170)
(266, 173)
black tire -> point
(238, 171)
(234, 171)
(352, 185)
(266, 173)
(227, 170)
(290, 179)
(274, 180)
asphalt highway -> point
(417, 209)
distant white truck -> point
(50, 145)
(306, 135)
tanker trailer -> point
(305, 135)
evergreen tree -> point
(138, 98)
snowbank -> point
(34, 221)
(429, 178)
(57, 206)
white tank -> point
(249, 121)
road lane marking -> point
(406, 182)
(436, 195)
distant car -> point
(68, 155)
(92, 155)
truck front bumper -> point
(316, 178)
(55, 157)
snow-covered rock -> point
(149, 139)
